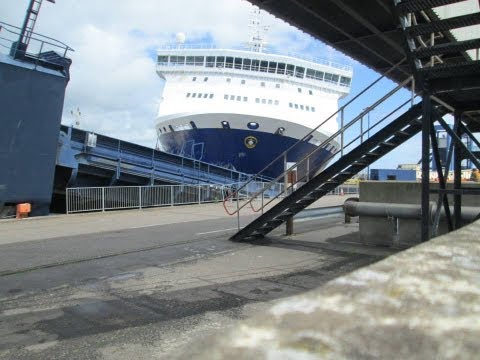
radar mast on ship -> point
(257, 32)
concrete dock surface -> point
(143, 283)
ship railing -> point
(366, 118)
(91, 199)
(268, 50)
(38, 47)
(288, 75)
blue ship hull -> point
(244, 150)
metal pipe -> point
(402, 211)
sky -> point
(113, 81)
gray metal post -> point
(103, 199)
(139, 197)
(457, 173)
(342, 133)
(171, 195)
(199, 194)
(426, 118)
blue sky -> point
(113, 79)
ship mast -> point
(257, 40)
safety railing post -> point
(103, 199)
(199, 194)
(171, 195)
(139, 197)
(342, 133)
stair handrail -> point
(332, 155)
(340, 110)
(324, 144)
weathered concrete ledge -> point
(422, 303)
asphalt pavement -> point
(140, 285)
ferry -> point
(241, 108)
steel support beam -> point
(457, 171)
(426, 120)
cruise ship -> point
(241, 108)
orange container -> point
(23, 210)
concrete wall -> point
(31, 103)
(380, 231)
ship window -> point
(299, 90)
(188, 94)
(225, 125)
(229, 62)
(310, 92)
(210, 61)
(255, 65)
(253, 125)
(344, 81)
(225, 97)
(164, 129)
(257, 100)
(277, 86)
(229, 80)
(190, 60)
(245, 98)
(238, 63)
(299, 72)
(194, 78)
(307, 108)
(319, 75)
(276, 102)
(262, 84)
(162, 60)
(290, 69)
(211, 96)
(302, 107)
(205, 96)
(270, 101)
(264, 66)
(194, 126)
(280, 131)
(170, 127)
(239, 98)
(194, 95)
(272, 67)
(296, 106)
(246, 64)
(243, 82)
(199, 60)
(232, 97)
(159, 131)
(173, 60)
(281, 68)
(290, 104)
(310, 74)
(220, 61)
(331, 77)
(205, 78)
(264, 101)
(181, 60)
(313, 109)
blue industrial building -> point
(393, 174)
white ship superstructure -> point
(241, 107)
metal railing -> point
(351, 134)
(38, 44)
(91, 199)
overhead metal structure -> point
(404, 40)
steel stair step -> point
(388, 143)
(452, 70)
(407, 6)
(448, 48)
(444, 25)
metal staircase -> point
(385, 140)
